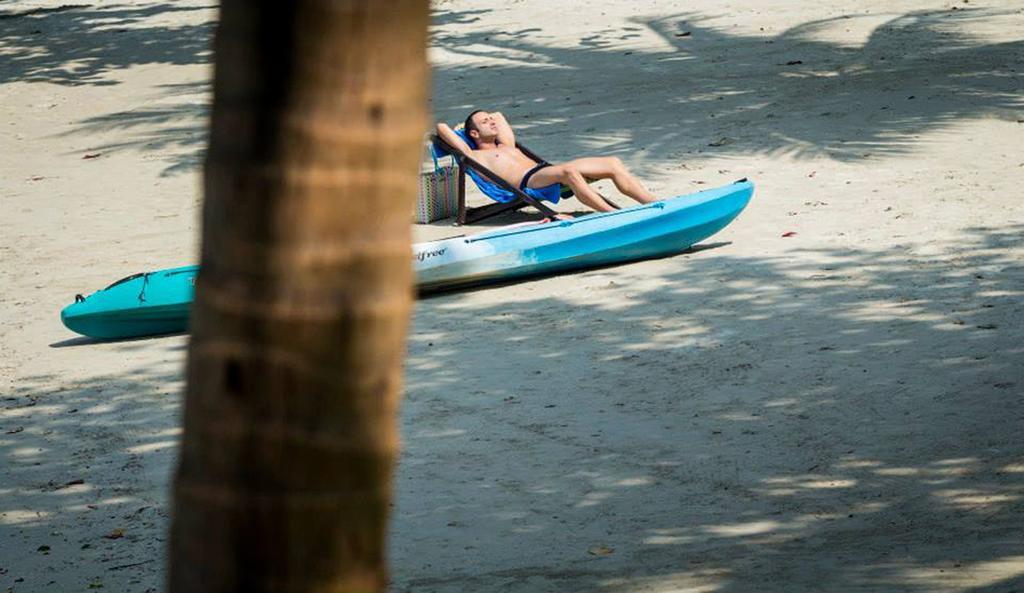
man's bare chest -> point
(503, 156)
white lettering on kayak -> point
(422, 255)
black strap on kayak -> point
(145, 283)
(79, 298)
(125, 279)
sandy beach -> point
(837, 409)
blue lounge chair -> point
(506, 196)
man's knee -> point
(616, 164)
(570, 174)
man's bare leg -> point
(568, 174)
(611, 167)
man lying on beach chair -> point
(496, 149)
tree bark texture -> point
(303, 299)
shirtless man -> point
(496, 150)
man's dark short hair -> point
(470, 125)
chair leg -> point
(461, 219)
(482, 212)
(470, 215)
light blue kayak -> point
(652, 230)
(158, 302)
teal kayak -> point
(144, 304)
(158, 302)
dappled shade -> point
(793, 92)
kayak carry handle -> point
(79, 298)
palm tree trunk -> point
(302, 304)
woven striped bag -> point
(438, 196)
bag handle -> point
(437, 167)
(437, 164)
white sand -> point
(840, 410)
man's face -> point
(487, 127)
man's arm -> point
(505, 134)
(453, 139)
